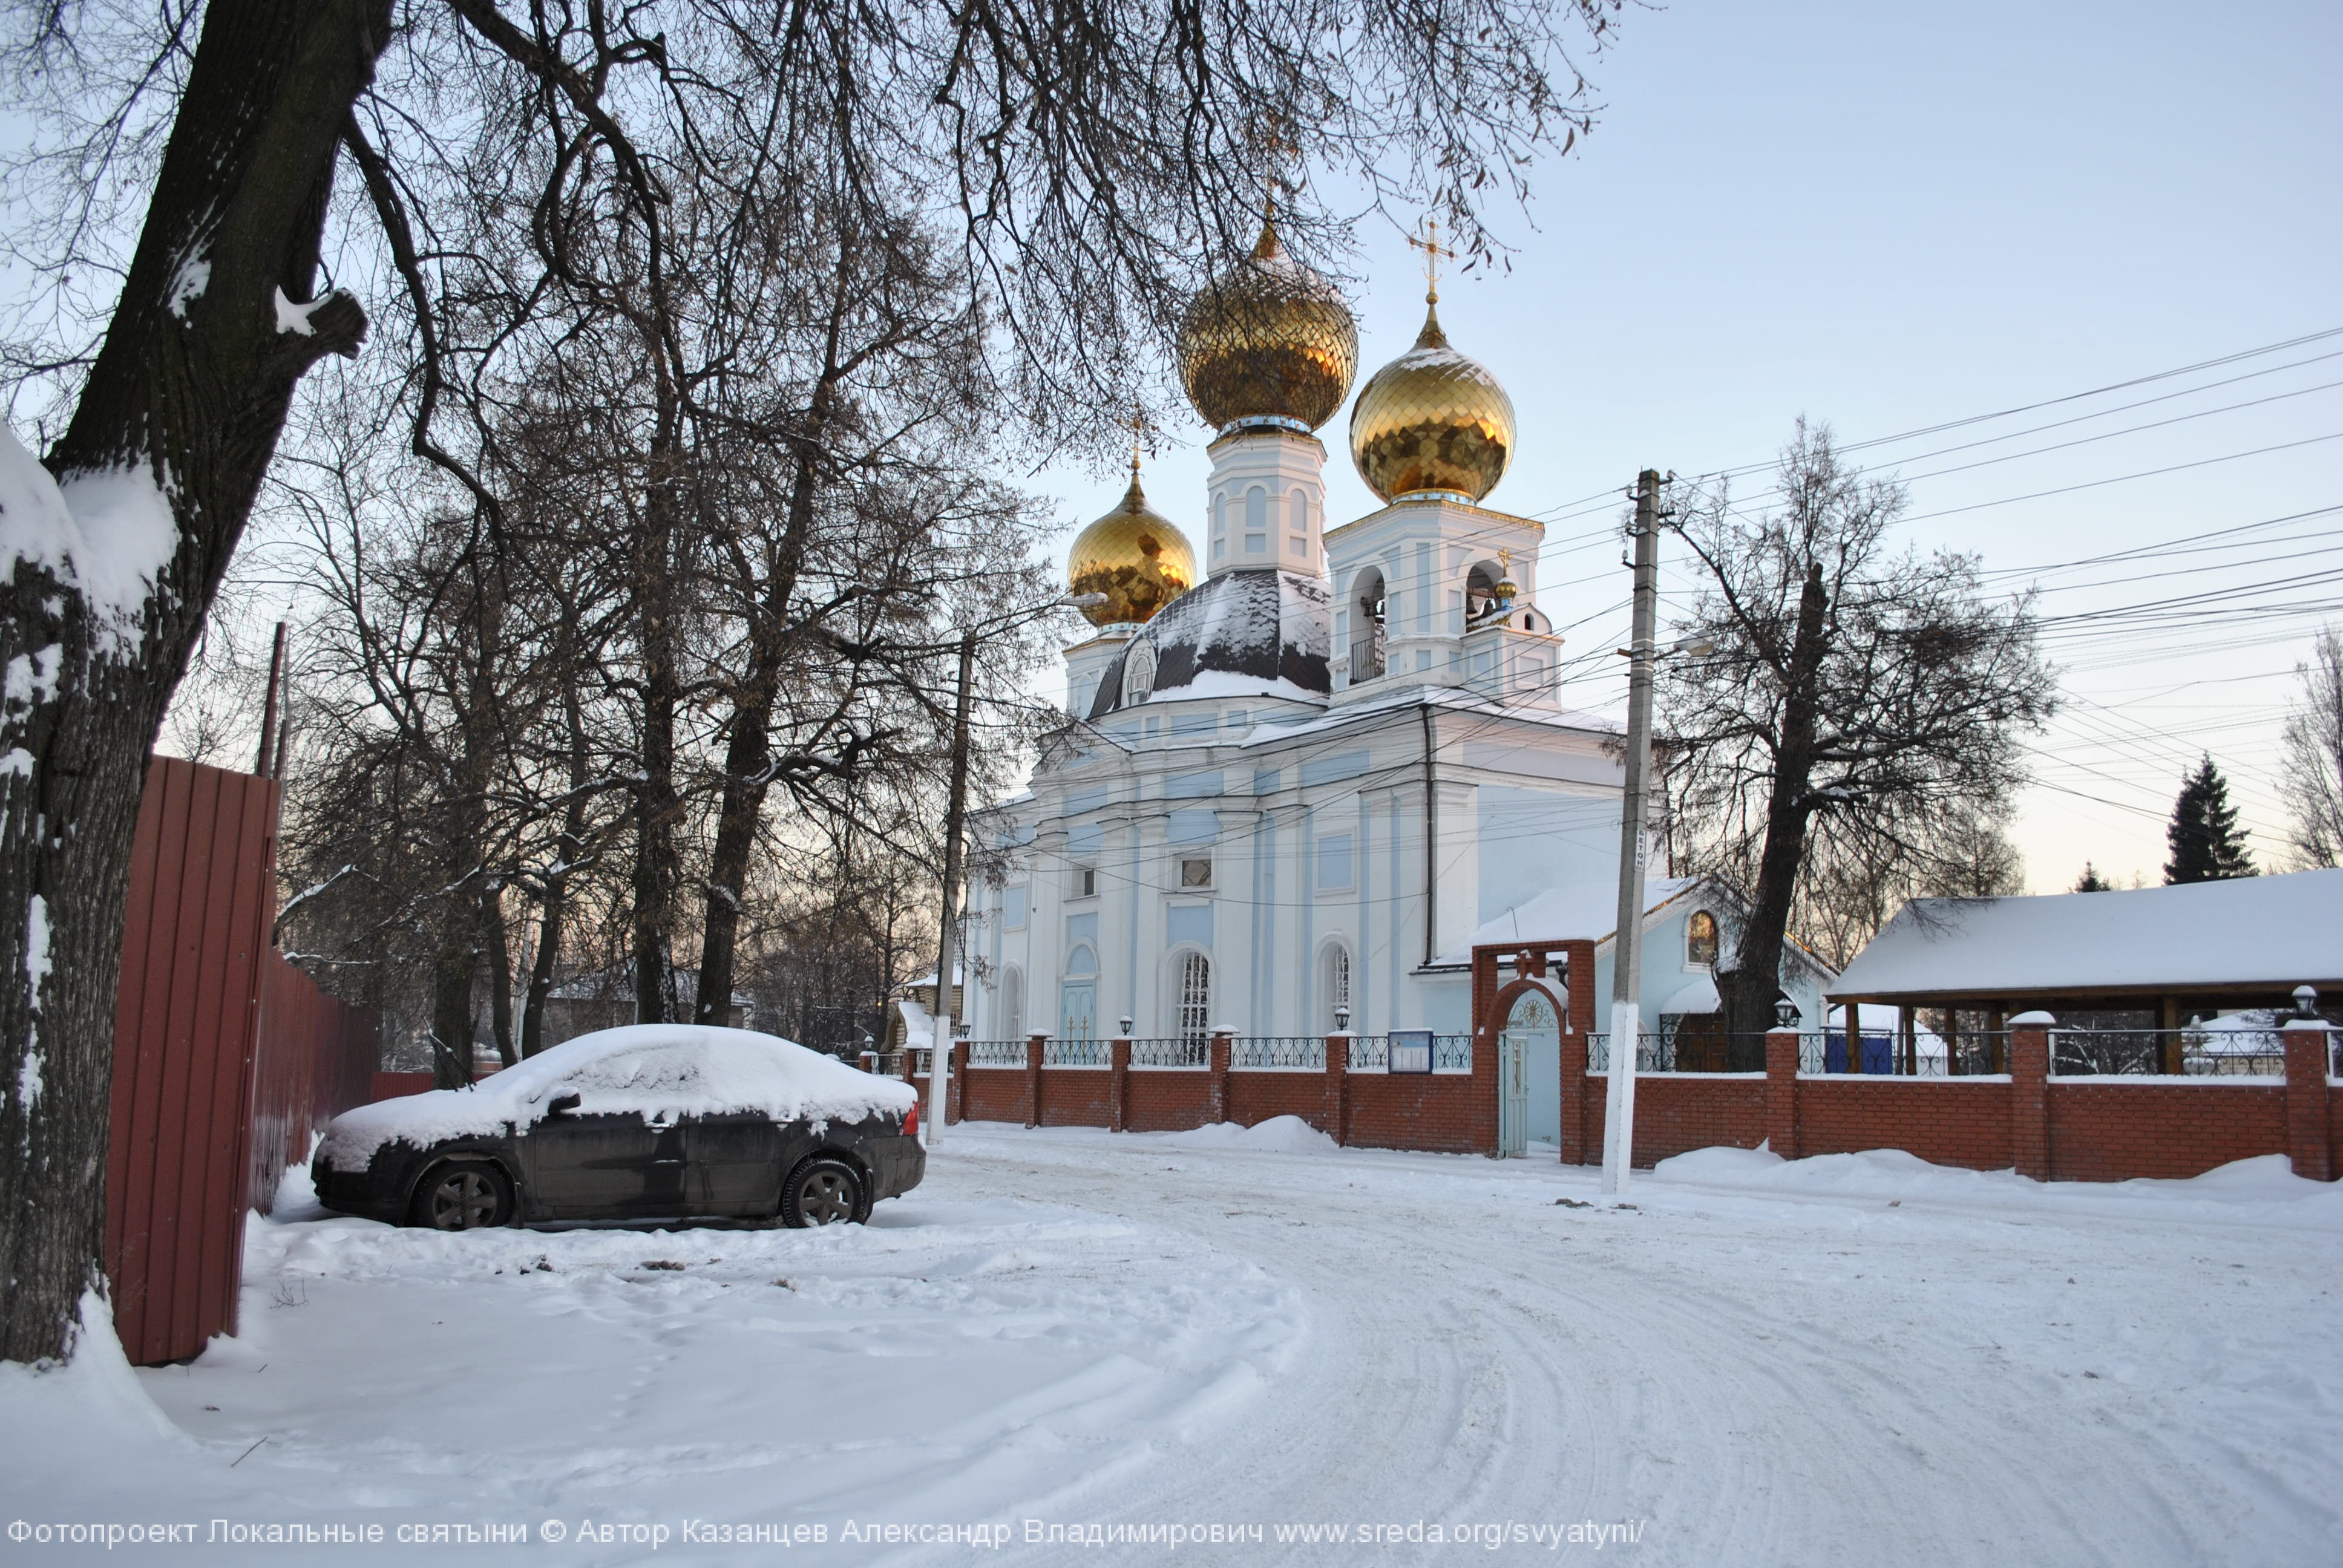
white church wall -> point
(1532, 840)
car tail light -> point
(911, 1120)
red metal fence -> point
(224, 1057)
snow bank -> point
(1892, 1173)
(1279, 1134)
(683, 1070)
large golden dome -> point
(1432, 420)
(1269, 339)
(1132, 555)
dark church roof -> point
(1257, 625)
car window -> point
(653, 1079)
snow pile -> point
(2265, 1179)
(111, 533)
(1279, 1134)
(657, 1068)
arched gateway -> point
(1526, 1021)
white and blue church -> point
(1306, 768)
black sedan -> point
(647, 1123)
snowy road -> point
(1858, 1360)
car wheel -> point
(464, 1195)
(824, 1191)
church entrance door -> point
(1513, 1095)
(1078, 1010)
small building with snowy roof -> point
(2167, 954)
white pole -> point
(1626, 938)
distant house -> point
(605, 1000)
(911, 1011)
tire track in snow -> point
(1478, 1355)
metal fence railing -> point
(1172, 1052)
(1450, 1053)
(1289, 1053)
(1056, 1052)
(996, 1053)
(2194, 1052)
(923, 1059)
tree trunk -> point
(451, 1011)
(499, 946)
(1757, 965)
(568, 850)
(185, 403)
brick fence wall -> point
(2052, 1129)
(1448, 1112)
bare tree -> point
(1093, 163)
(2310, 763)
(1864, 709)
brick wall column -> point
(2030, 1093)
(1781, 1091)
(910, 1059)
(1118, 1084)
(2309, 1137)
(1574, 1094)
(956, 1092)
(1034, 1047)
(1578, 1148)
(1223, 1048)
(1338, 1086)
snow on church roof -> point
(1582, 913)
(2276, 930)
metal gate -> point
(1513, 1095)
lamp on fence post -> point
(1786, 1013)
(1126, 1026)
(2305, 1000)
(1342, 1017)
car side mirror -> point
(562, 1105)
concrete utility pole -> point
(1627, 936)
(955, 818)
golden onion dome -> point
(1269, 340)
(1134, 556)
(1431, 420)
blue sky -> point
(1890, 217)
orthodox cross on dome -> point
(1275, 146)
(1137, 426)
(1433, 251)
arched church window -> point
(1013, 1005)
(1338, 986)
(1194, 1023)
(1700, 939)
(1139, 672)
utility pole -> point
(1627, 936)
(955, 818)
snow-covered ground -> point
(1856, 1359)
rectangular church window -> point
(1196, 873)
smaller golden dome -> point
(1432, 420)
(1268, 339)
(1134, 556)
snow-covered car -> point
(649, 1122)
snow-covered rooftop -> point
(2254, 931)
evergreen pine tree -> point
(2090, 881)
(2203, 835)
